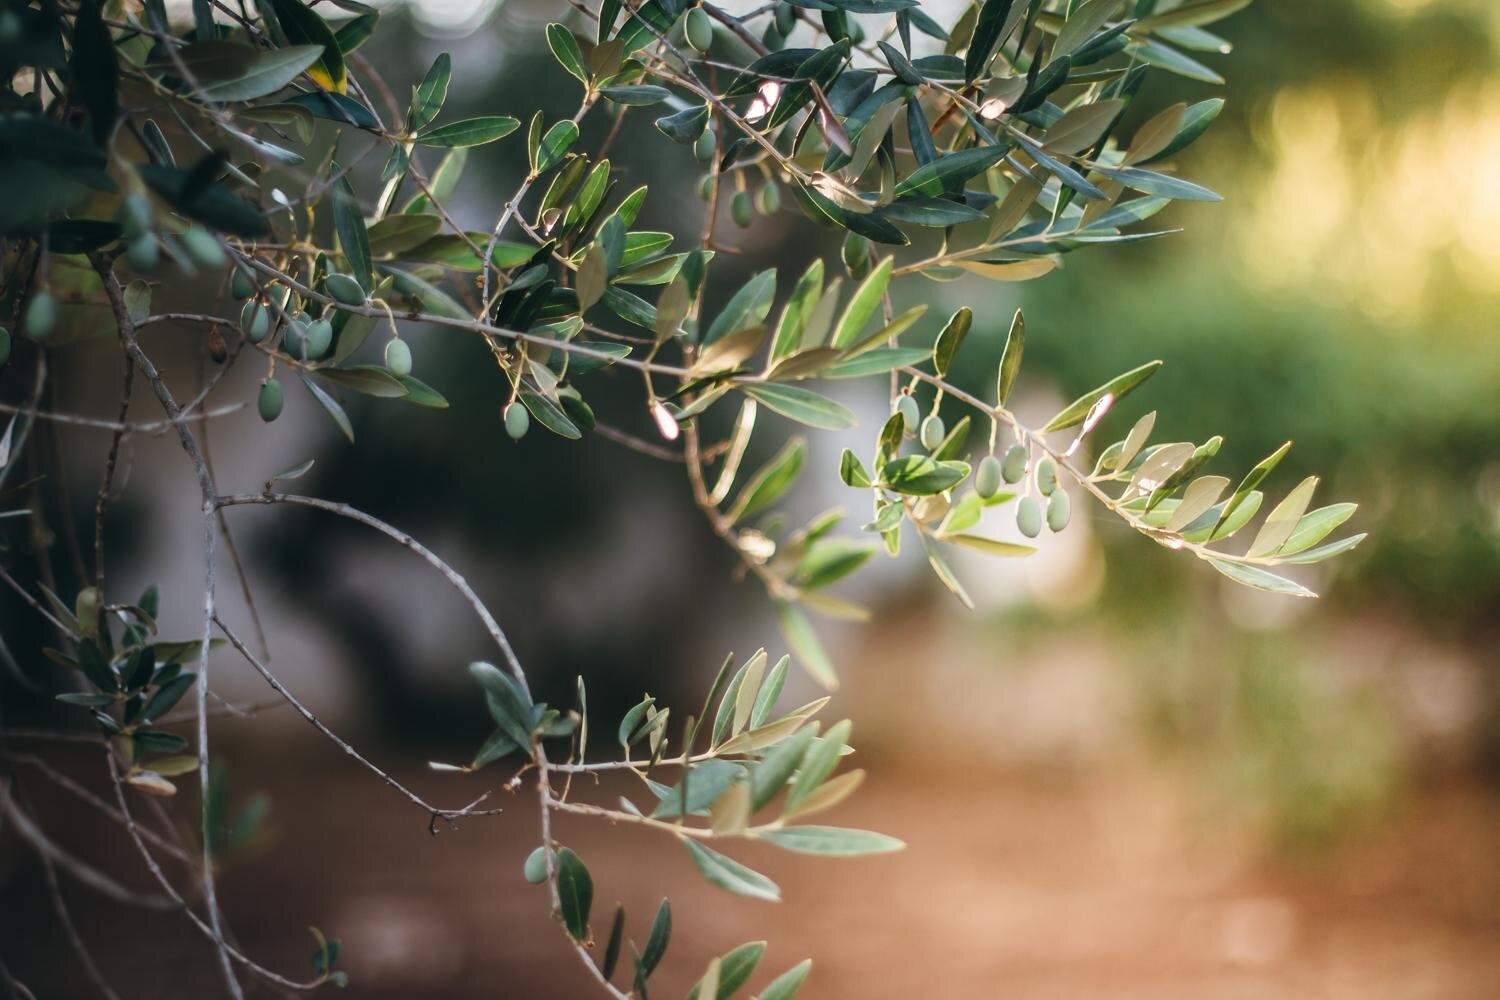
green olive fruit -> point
(319, 338)
(856, 34)
(741, 210)
(86, 607)
(143, 253)
(4, 345)
(768, 198)
(255, 321)
(241, 286)
(856, 254)
(1029, 516)
(704, 145)
(345, 289)
(1059, 507)
(698, 29)
(517, 421)
(784, 18)
(535, 868)
(1013, 466)
(1046, 475)
(772, 39)
(41, 316)
(933, 432)
(294, 338)
(706, 187)
(910, 415)
(135, 216)
(270, 400)
(987, 477)
(204, 247)
(398, 357)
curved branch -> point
(306, 713)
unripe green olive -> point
(398, 357)
(204, 247)
(1029, 516)
(768, 198)
(987, 477)
(255, 321)
(270, 400)
(86, 608)
(772, 39)
(784, 18)
(294, 338)
(143, 253)
(856, 33)
(706, 187)
(345, 289)
(1046, 475)
(41, 315)
(4, 345)
(1013, 466)
(741, 210)
(240, 285)
(535, 868)
(319, 338)
(1059, 507)
(933, 432)
(135, 216)
(704, 145)
(517, 421)
(910, 415)
(698, 29)
(856, 254)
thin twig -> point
(126, 329)
(135, 832)
(343, 744)
(81, 872)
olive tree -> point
(153, 151)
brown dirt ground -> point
(1113, 884)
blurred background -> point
(1121, 777)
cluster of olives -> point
(1011, 469)
(142, 251)
(992, 473)
(743, 206)
(1029, 508)
(305, 338)
(143, 248)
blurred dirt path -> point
(1115, 885)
